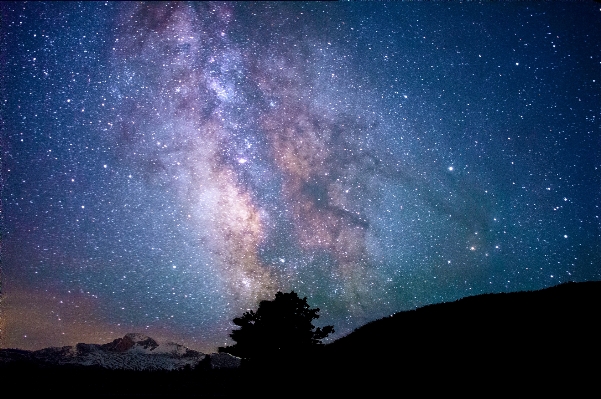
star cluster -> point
(166, 166)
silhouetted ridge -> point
(484, 336)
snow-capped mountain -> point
(132, 352)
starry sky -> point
(166, 166)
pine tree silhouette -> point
(281, 327)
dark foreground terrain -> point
(521, 343)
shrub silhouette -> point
(281, 327)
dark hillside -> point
(492, 337)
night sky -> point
(167, 166)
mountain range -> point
(132, 352)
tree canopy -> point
(281, 326)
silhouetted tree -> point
(279, 327)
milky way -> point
(169, 165)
